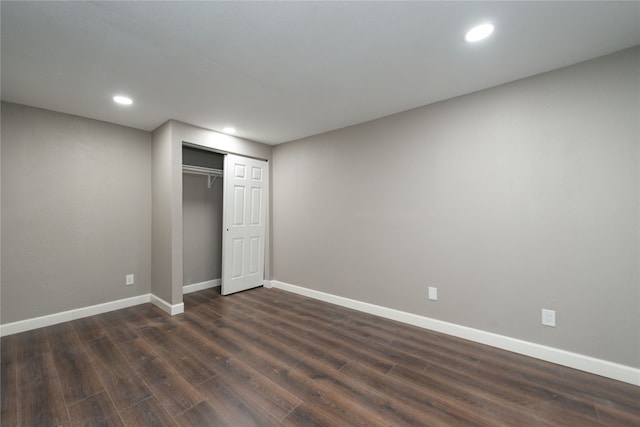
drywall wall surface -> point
(162, 253)
(509, 200)
(76, 212)
(202, 229)
(220, 142)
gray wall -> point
(202, 229)
(163, 215)
(508, 200)
(76, 212)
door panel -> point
(238, 203)
(254, 256)
(246, 184)
(237, 257)
(256, 206)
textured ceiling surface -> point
(279, 71)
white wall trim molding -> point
(92, 310)
(267, 284)
(590, 364)
(171, 309)
(195, 287)
(65, 316)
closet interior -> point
(202, 203)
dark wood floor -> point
(267, 357)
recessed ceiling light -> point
(478, 33)
(229, 130)
(123, 100)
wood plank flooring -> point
(266, 357)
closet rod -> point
(202, 170)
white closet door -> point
(246, 185)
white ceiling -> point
(279, 71)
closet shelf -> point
(213, 174)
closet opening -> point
(224, 220)
(202, 215)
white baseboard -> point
(171, 309)
(65, 316)
(589, 364)
(92, 310)
(195, 287)
(267, 284)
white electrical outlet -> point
(549, 317)
(130, 280)
(433, 293)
